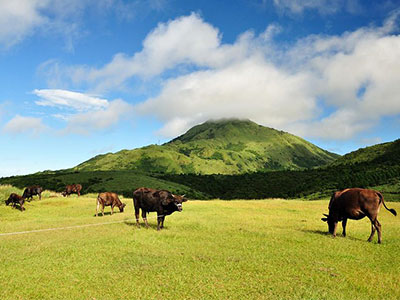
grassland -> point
(265, 249)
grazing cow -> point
(161, 201)
(16, 199)
(72, 188)
(355, 204)
(109, 199)
(29, 192)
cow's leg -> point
(40, 196)
(372, 231)
(97, 207)
(379, 229)
(112, 209)
(144, 218)
(334, 229)
(160, 222)
(344, 223)
(137, 217)
(102, 209)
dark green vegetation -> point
(267, 249)
(121, 182)
(377, 166)
(373, 167)
(218, 147)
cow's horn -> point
(326, 215)
(183, 195)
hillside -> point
(218, 147)
(387, 153)
(374, 167)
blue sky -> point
(85, 77)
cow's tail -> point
(389, 209)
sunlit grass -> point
(269, 249)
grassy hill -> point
(218, 147)
(375, 167)
(386, 153)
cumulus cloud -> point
(185, 40)
(249, 89)
(20, 124)
(65, 98)
(322, 86)
(85, 123)
(356, 75)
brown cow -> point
(16, 199)
(109, 199)
(161, 201)
(72, 188)
(355, 204)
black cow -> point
(29, 192)
(355, 204)
(161, 201)
(16, 199)
(72, 188)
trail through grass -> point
(269, 249)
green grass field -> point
(266, 249)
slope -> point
(218, 147)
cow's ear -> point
(324, 219)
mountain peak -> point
(223, 146)
(220, 129)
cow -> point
(16, 199)
(29, 192)
(109, 199)
(355, 204)
(72, 188)
(161, 201)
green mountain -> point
(218, 147)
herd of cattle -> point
(352, 203)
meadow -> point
(242, 249)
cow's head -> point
(8, 201)
(64, 193)
(121, 208)
(331, 223)
(171, 199)
(178, 200)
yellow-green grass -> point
(265, 249)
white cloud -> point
(185, 40)
(86, 123)
(249, 89)
(19, 18)
(322, 86)
(20, 124)
(356, 74)
(65, 98)
(324, 7)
